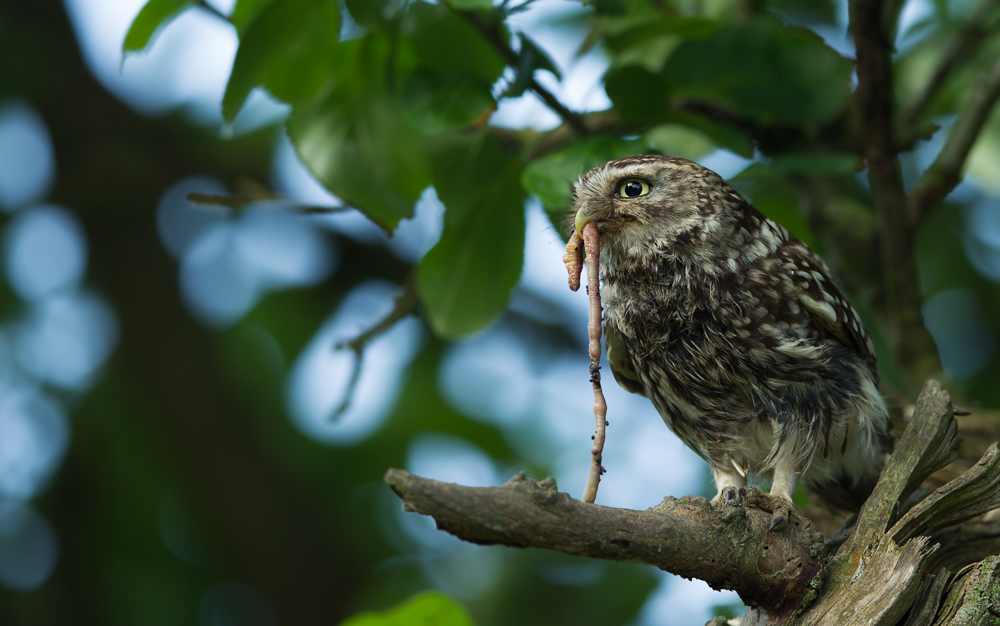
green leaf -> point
(679, 140)
(437, 101)
(153, 16)
(445, 42)
(360, 148)
(245, 11)
(551, 177)
(764, 70)
(428, 609)
(639, 95)
(288, 47)
(471, 4)
(822, 164)
(465, 280)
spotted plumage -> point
(735, 330)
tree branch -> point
(961, 46)
(875, 107)
(945, 173)
(729, 547)
(492, 35)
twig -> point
(942, 176)
(404, 304)
(207, 7)
(963, 44)
(591, 241)
(493, 36)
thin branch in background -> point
(207, 7)
(962, 45)
(946, 171)
(874, 100)
(404, 304)
(240, 201)
(492, 35)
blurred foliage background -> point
(256, 252)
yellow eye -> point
(633, 188)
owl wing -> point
(818, 292)
(621, 361)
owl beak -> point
(582, 219)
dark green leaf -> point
(471, 4)
(822, 164)
(638, 94)
(288, 47)
(465, 280)
(641, 31)
(428, 609)
(245, 11)
(764, 70)
(551, 177)
(438, 101)
(445, 42)
(152, 16)
(360, 148)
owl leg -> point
(730, 485)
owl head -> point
(639, 197)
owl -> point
(736, 331)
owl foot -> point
(779, 508)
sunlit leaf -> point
(152, 16)
(551, 177)
(428, 609)
(288, 47)
(465, 280)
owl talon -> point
(731, 496)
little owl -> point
(736, 331)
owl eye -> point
(633, 188)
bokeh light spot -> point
(28, 547)
(962, 331)
(45, 251)
(27, 163)
(233, 604)
(34, 433)
(66, 338)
